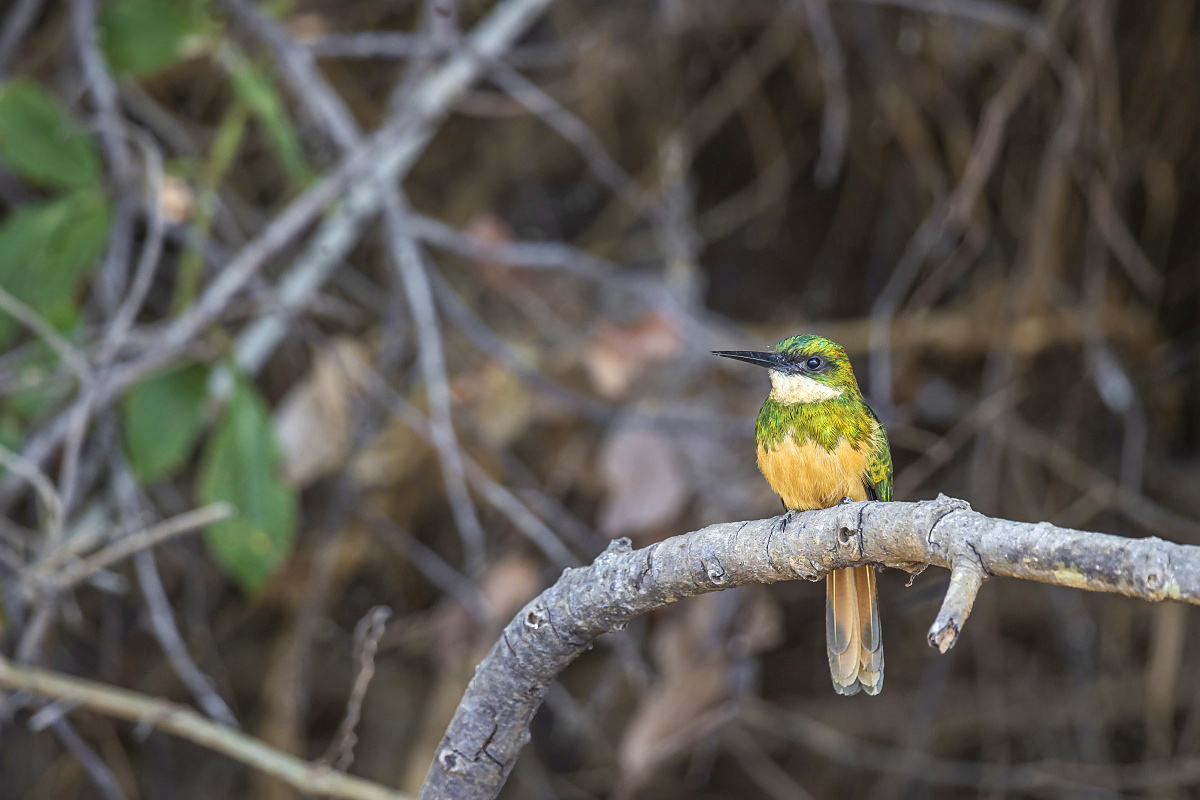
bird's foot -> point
(781, 522)
(845, 500)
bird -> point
(819, 444)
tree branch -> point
(491, 724)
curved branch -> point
(491, 724)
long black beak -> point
(768, 359)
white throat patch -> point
(791, 389)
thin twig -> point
(374, 44)
(1085, 477)
(431, 565)
(559, 255)
(113, 273)
(93, 765)
(774, 781)
(954, 213)
(367, 634)
(299, 68)
(1114, 385)
(497, 495)
(966, 577)
(74, 572)
(102, 87)
(932, 458)
(162, 621)
(836, 120)
(409, 263)
(399, 44)
(281, 232)
(47, 333)
(395, 145)
(575, 131)
(148, 261)
(1002, 15)
(150, 712)
(16, 23)
(1120, 240)
(68, 472)
(410, 130)
(46, 492)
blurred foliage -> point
(162, 416)
(40, 141)
(46, 248)
(241, 467)
(141, 37)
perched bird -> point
(818, 444)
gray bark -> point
(491, 724)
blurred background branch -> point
(310, 308)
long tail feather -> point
(852, 634)
(842, 631)
(870, 663)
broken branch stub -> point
(491, 724)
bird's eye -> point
(813, 363)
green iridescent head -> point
(804, 369)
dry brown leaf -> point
(396, 453)
(501, 404)
(509, 584)
(760, 623)
(644, 479)
(306, 27)
(695, 649)
(490, 229)
(618, 355)
(693, 677)
(312, 422)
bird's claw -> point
(845, 500)
(783, 520)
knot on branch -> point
(944, 506)
(849, 530)
(951, 503)
(451, 761)
(1155, 578)
(617, 547)
(715, 571)
(536, 617)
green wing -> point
(878, 479)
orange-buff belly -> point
(807, 476)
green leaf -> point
(241, 467)
(142, 36)
(162, 417)
(45, 248)
(40, 141)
